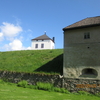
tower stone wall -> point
(82, 56)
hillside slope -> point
(32, 61)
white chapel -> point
(43, 42)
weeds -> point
(42, 86)
(22, 83)
(83, 93)
(61, 90)
(98, 94)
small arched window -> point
(89, 72)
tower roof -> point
(87, 22)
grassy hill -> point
(46, 61)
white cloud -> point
(15, 45)
(28, 48)
(10, 30)
(1, 36)
(30, 30)
(11, 37)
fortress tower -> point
(82, 49)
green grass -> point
(45, 86)
(50, 61)
(10, 91)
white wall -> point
(48, 44)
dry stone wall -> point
(89, 85)
(73, 85)
(31, 78)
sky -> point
(23, 20)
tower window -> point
(42, 45)
(87, 35)
(36, 45)
(89, 71)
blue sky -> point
(23, 20)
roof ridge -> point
(42, 37)
(84, 23)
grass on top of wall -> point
(46, 61)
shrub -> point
(56, 89)
(83, 93)
(98, 94)
(1, 81)
(22, 83)
(63, 90)
(5, 79)
(44, 86)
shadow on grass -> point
(54, 66)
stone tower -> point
(82, 49)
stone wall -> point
(31, 78)
(73, 85)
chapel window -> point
(36, 45)
(42, 45)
